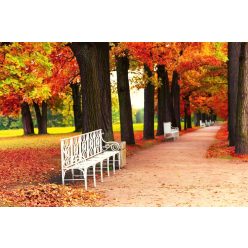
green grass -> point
(50, 130)
(65, 130)
(61, 130)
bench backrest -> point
(167, 127)
(81, 147)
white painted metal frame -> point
(202, 124)
(88, 151)
(170, 132)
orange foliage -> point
(49, 195)
(221, 149)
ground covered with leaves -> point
(48, 195)
(31, 172)
(220, 149)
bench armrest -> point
(111, 145)
(175, 128)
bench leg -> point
(63, 177)
(114, 164)
(72, 173)
(119, 160)
(108, 166)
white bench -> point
(170, 132)
(87, 151)
(202, 124)
(208, 123)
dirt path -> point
(178, 174)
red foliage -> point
(28, 165)
(221, 149)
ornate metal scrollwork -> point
(112, 145)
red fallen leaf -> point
(221, 149)
(49, 195)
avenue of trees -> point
(180, 80)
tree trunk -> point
(203, 117)
(188, 112)
(164, 113)
(175, 101)
(105, 87)
(122, 66)
(87, 58)
(41, 117)
(77, 106)
(27, 122)
(233, 74)
(185, 118)
(148, 132)
(198, 118)
(241, 143)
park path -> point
(178, 174)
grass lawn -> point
(65, 130)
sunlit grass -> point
(50, 130)
(15, 139)
(61, 130)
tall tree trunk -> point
(203, 117)
(164, 112)
(233, 74)
(161, 101)
(77, 106)
(185, 117)
(93, 61)
(87, 57)
(175, 101)
(122, 66)
(27, 122)
(148, 132)
(187, 113)
(41, 117)
(198, 118)
(241, 143)
(189, 121)
(105, 87)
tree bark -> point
(185, 118)
(77, 106)
(241, 143)
(164, 113)
(175, 101)
(93, 61)
(87, 58)
(27, 122)
(198, 118)
(148, 132)
(189, 121)
(122, 66)
(203, 117)
(105, 87)
(233, 74)
(41, 117)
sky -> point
(137, 96)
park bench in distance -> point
(86, 152)
(206, 124)
(202, 124)
(170, 132)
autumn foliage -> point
(220, 149)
